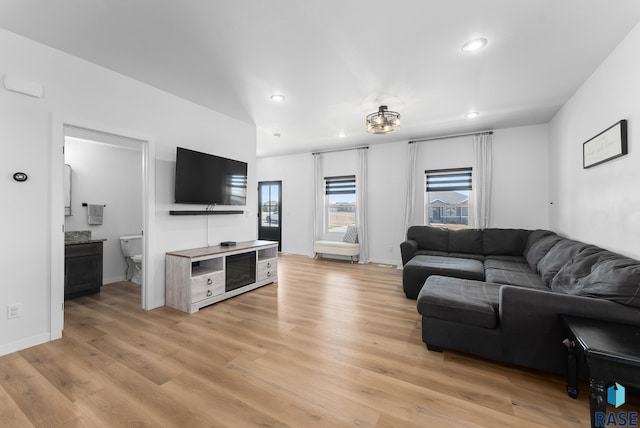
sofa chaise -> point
(501, 293)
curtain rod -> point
(339, 150)
(444, 137)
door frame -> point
(279, 182)
(56, 264)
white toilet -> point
(131, 247)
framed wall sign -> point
(609, 144)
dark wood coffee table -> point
(610, 351)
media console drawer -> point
(205, 286)
(267, 269)
(202, 276)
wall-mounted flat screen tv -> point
(207, 179)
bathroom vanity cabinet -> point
(82, 269)
(202, 276)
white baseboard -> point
(117, 278)
(24, 343)
(391, 262)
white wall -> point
(296, 173)
(76, 89)
(110, 175)
(520, 196)
(519, 200)
(599, 205)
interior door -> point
(270, 211)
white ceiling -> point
(337, 60)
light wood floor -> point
(332, 344)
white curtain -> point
(318, 198)
(409, 205)
(481, 181)
(362, 182)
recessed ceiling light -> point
(472, 115)
(278, 98)
(342, 134)
(474, 45)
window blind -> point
(342, 185)
(442, 180)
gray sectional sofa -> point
(500, 293)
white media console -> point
(201, 276)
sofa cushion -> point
(578, 267)
(510, 265)
(336, 247)
(431, 253)
(478, 257)
(518, 259)
(419, 268)
(559, 255)
(460, 300)
(465, 241)
(512, 277)
(540, 249)
(534, 237)
(602, 274)
(448, 266)
(430, 238)
(508, 242)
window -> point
(447, 197)
(269, 200)
(340, 202)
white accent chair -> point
(349, 245)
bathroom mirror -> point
(67, 189)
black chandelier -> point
(383, 121)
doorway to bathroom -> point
(61, 125)
(103, 195)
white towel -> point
(95, 213)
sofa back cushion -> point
(465, 241)
(558, 256)
(430, 238)
(504, 242)
(569, 276)
(601, 274)
(539, 249)
(534, 237)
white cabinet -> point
(201, 276)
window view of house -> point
(269, 199)
(340, 203)
(449, 208)
(447, 198)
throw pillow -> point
(351, 235)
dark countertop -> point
(82, 241)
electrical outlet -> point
(14, 310)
